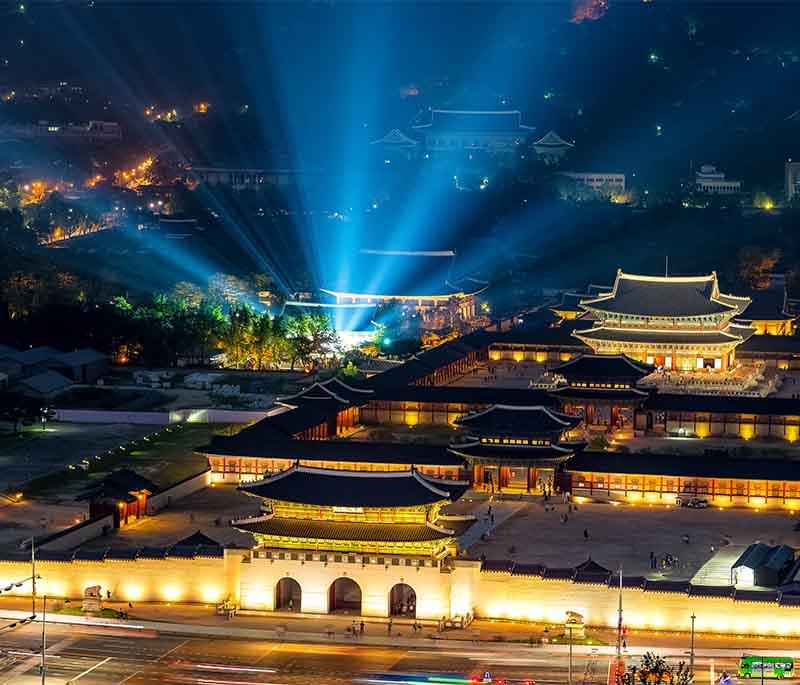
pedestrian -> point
(389, 627)
(712, 549)
(130, 606)
(291, 604)
(353, 628)
(489, 510)
(491, 519)
(586, 535)
(361, 628)
(652, 560)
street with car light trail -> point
(86, 655)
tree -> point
(187, 291)
(269, 344)
(238, 336)
(654, 670)
(311, 337)
(756, 264)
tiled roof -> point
(552, 140)
(502, 419)
(472, 121)
(676, 337)
(522, 454)
(660, 296)
(718, 404)
(327, 487)
(766, 305)
(46, 382)
(333, 393)
(773, 344)
(335, 530)
(682, 465)
(603, 366)
(355, 451)
(85, 355)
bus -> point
(766, 667)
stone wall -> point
(503, 595)
(78, 534)
(200, 579)
(261, 575)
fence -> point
(159, 418)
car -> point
(693, 503)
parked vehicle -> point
(692, 503)
(766, 667)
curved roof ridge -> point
(271, 479)
(339, 381)
(578, 333)
(666, 279)
(252, 519)
(439, 529)
(432, 483)
(308, 389)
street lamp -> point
(569, 672)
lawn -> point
(166, 456)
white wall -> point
(163, 499)
(159, 418)
(76, 535)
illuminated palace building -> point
(673, 322)
(359, 483)
(424, 285)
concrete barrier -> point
(159, 418)
(78, 534)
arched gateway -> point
(403, 601)
(288, 595)
(344, 597)
(375, 526)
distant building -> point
(792, 179)
(552, 148)
(599, 182)
(496, 133)
(419, 282)
(91, 132)
(241, 177)
(714, 182)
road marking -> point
(130, 677)
(176, 647)
(89, 670)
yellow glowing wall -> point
(501, 595)
(205, 580)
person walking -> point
(586, 535)
(361, 628)
(389, 627)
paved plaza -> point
(29, 518)
(208, 511)
(627, 534)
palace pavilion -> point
(513, 447)
(674, 322)
(602, 389)
(328, 513)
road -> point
(88, 656)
